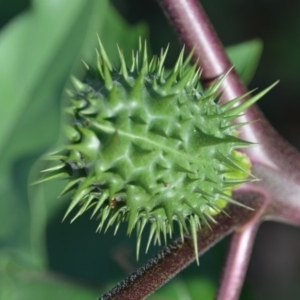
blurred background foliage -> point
(41, 44)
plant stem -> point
(178, 254)
(196, 32)
(239, 252)
(282, 192)
(237, 262)
(274, 161)
(272, 154)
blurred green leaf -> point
(193, 288)
(44, 197)
(121, 33)
(245, 57)
(19, 283)
(37, 53)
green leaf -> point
(38, 51)
(192, 288)
(44, 197)
(22, 283)
(245, 58)
(124, 35)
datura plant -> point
(146, 145)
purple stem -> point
(273, 154)
(178, 254)
(240, 250)
(237, 263)
(195, 30)
(275, 162)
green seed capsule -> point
(149, 148)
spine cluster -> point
(148, 145)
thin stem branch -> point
(272, 156)
(240, 250)
(178, 254)
(272, 152)
(282, 192)
(195, 30)
(237, 262)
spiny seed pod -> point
(145, 147)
